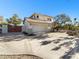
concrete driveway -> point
(55, 45)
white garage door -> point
(38, 28)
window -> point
(33, 17)
(49, 19)
(37, 16)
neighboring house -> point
(39, 23)
(17, 28)
(1, 19)
(3, 26)
(6, 28)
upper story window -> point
(49, 19)
(33, 17)
(37, 16)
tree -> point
(62, 19)
(56, 26)
(14, 20)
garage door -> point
(38, 28)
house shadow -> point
(13, 37)
(41, 37)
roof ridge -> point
(41, 14)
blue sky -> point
(25, 8)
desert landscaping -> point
(47, 46)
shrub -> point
(72, 33)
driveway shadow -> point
(13, 37)
(41, 36)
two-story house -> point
(39, 23)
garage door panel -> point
(38, 28)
